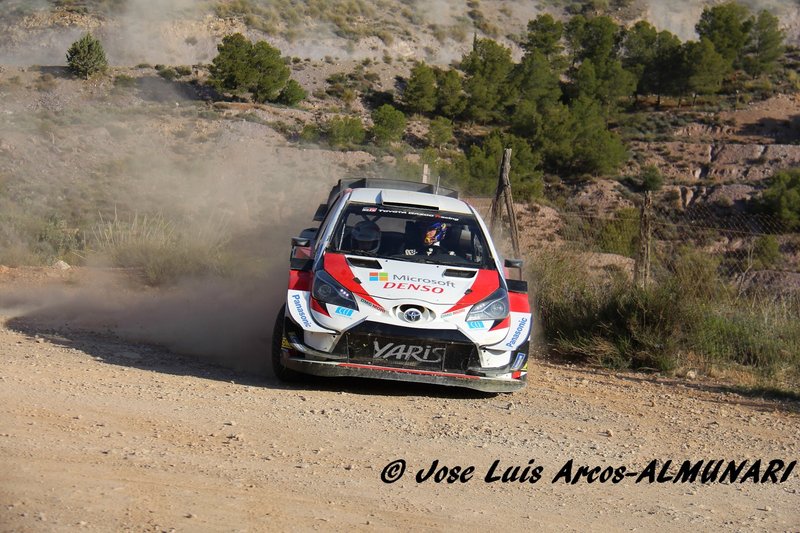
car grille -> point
(394, 346)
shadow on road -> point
(248, 368)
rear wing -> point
(379, 183)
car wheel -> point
(279, 369)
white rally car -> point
(399, 283)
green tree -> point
(535, 80)
(726, 26)
(638, 51)
(599, 42)
(663, 75)
(292, 93)
(440, 131)
(782, 197)
(450, 97)
(345, 131)
(764, 46)
(585, 82)
(704, 68)
(241, 66)
(487, 67)
(230, 69)
(420, 92)
(86, 57)
(270, 72)
(484, 165)
(652, 179)
(389, 124)
(595, 149)
(544, 36)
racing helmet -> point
(366, 237)
(434, 233)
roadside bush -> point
(86, 57)
(345, 131)
(603, 318)
(389, 124)
(292, 93)
(620, 234)
(440, 132)
(782, 197)
(160, 250)
(766, 252)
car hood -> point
(385, 279)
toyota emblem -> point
(412, 315)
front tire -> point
(278, 368)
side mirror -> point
(300, 241)
(513, 263)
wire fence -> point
(698, 287)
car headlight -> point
(327, 290)
(493, 307)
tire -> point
(278, 368)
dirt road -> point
(102, 434)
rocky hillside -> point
(187, 32)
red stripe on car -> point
(501, 324)
(486, 282)
(319, 308)
(299, 280)
(336, 265)
(407, 371)
(518, 302)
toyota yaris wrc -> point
(401, 284)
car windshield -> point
(411, 234)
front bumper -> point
(302, 358)
(335, 368)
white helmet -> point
(366, 237)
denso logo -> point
(407, 352)
(517, 332)
(413, 287)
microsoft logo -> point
(379, 276)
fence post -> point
(504, 190)
(641, 269)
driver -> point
(431, 236)
(366, 237)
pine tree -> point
(726, 26)
(639, 50)
(705, 68)
(86, 57)
(270, 73)
(230, 70)
(241, 66)
(450, 97)
(487, 67)
(544, 35)
(764, 47)
(596, 150)
(420, 92)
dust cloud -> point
(234, 182)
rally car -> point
(403, 284)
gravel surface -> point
(101, 434)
